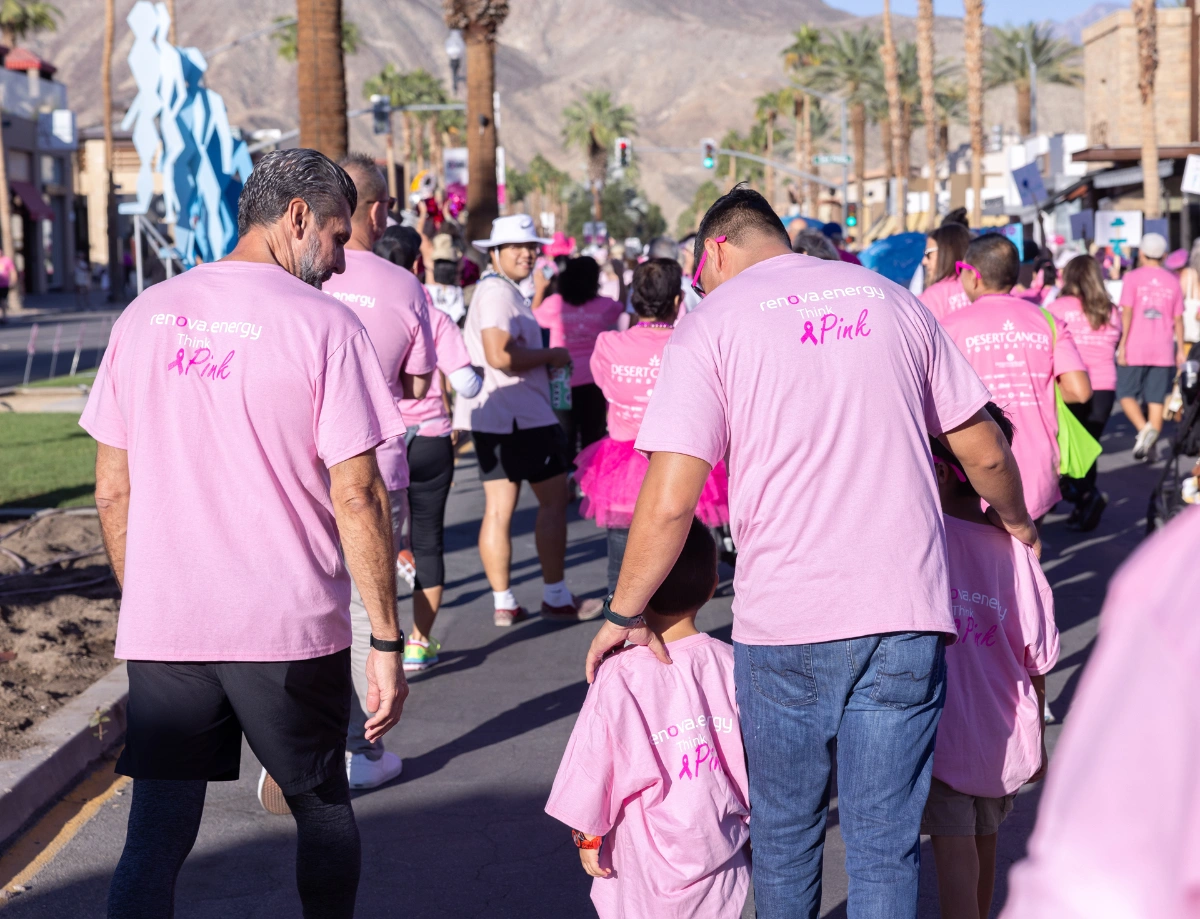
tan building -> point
(1112, 103)
(91, 180)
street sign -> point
(833, 159)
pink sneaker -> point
(506, 617)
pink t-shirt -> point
(1156, 299)
(1118, 828)
(234, 387)
(506, 399)
(625, 366)
(390, 303)
(945, 297)
(655, 765)
(820, 382)
(576, 327)
(1097, 347)
(1007, 340)
(430, 412)
(989, 738)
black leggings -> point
(587, 421)
(431, 473)
(1093, 415)
(164, 819)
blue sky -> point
(997, 12)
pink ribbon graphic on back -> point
(808, 334)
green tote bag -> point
(1077, 449)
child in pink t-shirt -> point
(653, 782)
(990, 740)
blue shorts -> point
(1146, 384)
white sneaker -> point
(1146, 439)
(367, 773)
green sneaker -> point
(421, 655)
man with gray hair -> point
(663, 247)
(237, 411)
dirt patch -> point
(58, 619)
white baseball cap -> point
(1153, 245)
(515, 229)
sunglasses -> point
(958, 472)
(929, 252)
(960, 267)
(696, 285)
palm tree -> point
(549, 182)
(1007, 63)
(951, 97)
(479, 21)
(845, 64)
(768, 108)
(389, 82)
(116, 273)
(925, 52)
(800, 57)
(321, 76)
(973, 50)
(171, 27)
(736, 168)
(285, 37)
(1146, 18)
(19, 18)
(592, 124)
(891, 82)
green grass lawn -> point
(46, 460)
(86, 378)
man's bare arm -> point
(415, 386)
(112, 503)
(360, 505)
(988, 462)
(661, 520)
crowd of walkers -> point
(304, 453)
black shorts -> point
(185, 720)
(524, 455)
(1146, 384)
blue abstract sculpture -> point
(203, 166)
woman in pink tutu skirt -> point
(625, 366)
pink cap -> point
(1176, 260)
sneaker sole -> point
(270, 796)
(415, 667)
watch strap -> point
(391, 647)
(624, 622)
(582, 841)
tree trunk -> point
(116, 269)
(925, 55)
(420, 145)
(889, 153)
(1146, 17)
(597, 173)
(409, 165)
(811, 191)
(391, 164)
(171, 28)
(801, 155)
(858, 129)
(732, 171)
(482, 205)
(435, 151)
(321, 76)
(769, 171)
(891, 78)
(1024, 117)
(973, 47)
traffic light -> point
(852, 214)
(710, 152)
(381, 112)
(623, 150)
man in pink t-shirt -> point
(1117, 830)
(237, 411)
(1020, 354)
(819, 383)
(1152, 343)
(390, 303)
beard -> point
(311, 269)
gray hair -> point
(815, 243)
(283, 175)
(367, 176)
(663, 247)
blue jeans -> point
(876, 701)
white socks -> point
(557, 594)
(504, 599)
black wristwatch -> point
(625, 622)
(389, 646)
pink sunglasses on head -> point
(696, 285)
(958, 472)
(960, 267)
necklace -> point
(656, 325)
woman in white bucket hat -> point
(516, 434)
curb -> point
(65, 745)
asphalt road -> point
(88, 330)
(463, 834)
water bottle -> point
(560, 388)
